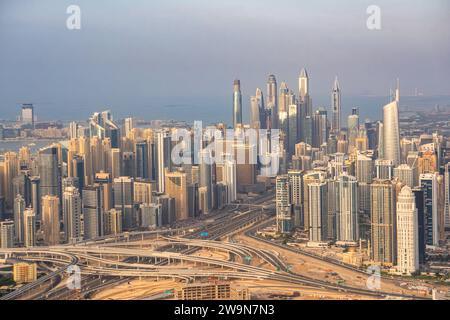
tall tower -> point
(407, 232)
(303, 90)
(257, 111)
(336, 107)
(447, 194)
(383, 220)
(50, 219)
(347, 209)
(19, 207)
(318, 211)
(6, 234)
(29, 228)
(71, 214)
(391, 130)
(48, 171)
(93, 211)
(272, 103)
(237, 104)
(176, 187)
(283, 205)
(429, 185)
(124, 200)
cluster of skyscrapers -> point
(107, 179)
(360, 183)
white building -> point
(407, 232)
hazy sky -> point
(138, 50)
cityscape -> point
(283, 199)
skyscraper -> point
(429, 185)
(71, 214)
(447, 194)
(176, 187)
(407, 232)
(296, 193)
(405, 174)
(283, 205)
(391, 131)
(6, 234)
(206, 179)
(93, 211)
(50, 219)
(303, 90)
(336, 107)
(19, 208)
(124, 201)
(29, 228)
(27, 115)
(142, 165)
(347, 209)
(257, 111)
(318, 212)
(237, 104)
(383, 220)
(49, 171)
(319, 128)
(113, 222)
(272, 103)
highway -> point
(167, 254)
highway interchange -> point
(173, 254)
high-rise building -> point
(27, 116)
(142, 165)
(160, 160)
(124, 201)
(318, 212)
(257, 111)
(293, 127)
(113, 222)
(176, 187)
(429, 185)
(405, 174)
(384, 169)
(336, 107)
(150, 215)
(48, 171)
(347, 209)
(143, 190)
(383, 206)
(128, 126)
(29, 228)
(36, 196)
(71, 203)
(206, 179)
(447, 194)
(116, 163)
(296, 193)
(303, 90)
(319, 128)
(237, 104)
(93, 211)
(391, 131)
(283, 205)
(101, 125)
(6, 234)
(50, 219)
(272, 103)
(407, 233)
(19, 208)
(229, 177)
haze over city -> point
(183, 53)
